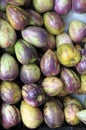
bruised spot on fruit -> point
(70, 112)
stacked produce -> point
(41, 64)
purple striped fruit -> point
(35, 19)
(30, 73)
(25, 52)
(10, 92)
(7, 34)
(37, 36)
(62, 7)
(33, 94)
(52, 86)
(77, 31)
(53, 114)
(81, 66)
(9, 68)
(10, 116)
(53, 23)
(17, 17)
(79, 6)
(70, 79)
(49, 64)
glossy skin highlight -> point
(17, 17)
(53, 114)
(10, 92)
(49, 64)
(32, 117)
(62, 7)
(7, 34)
(68, 55)
(37, 36)
(41, 6)
(33, 95)
(81, 66)
(70, 79)
(77, 31)
(10, 116)
(25, 52)
(30, 73)
(9, 68)
(53, 23)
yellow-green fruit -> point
(10, 92)
(68, 100)
(82, 89)
(68, 55)
(53, 23)
(31, 116)
(82, 116)
(42, 6)
(7, 34)
(16, 2)
(63, 38)
(52, 85)
(70, 112)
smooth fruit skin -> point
(35, 18)
(30, 73)
(53, 23)
(63, 38)
(25, 52)
(53, 114)
(70, 79)
(52, 85)
(81, 66)
(42, 6)
(82, 89)
(68, 55)
(10, 116)
(77, 31)
(62, 7)
(49, 64)
(31, 116)
(7, 34)
(10, 92)
(33, 94)
(82, 116)
(17, 17)
(8, 67)
(37, 36)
